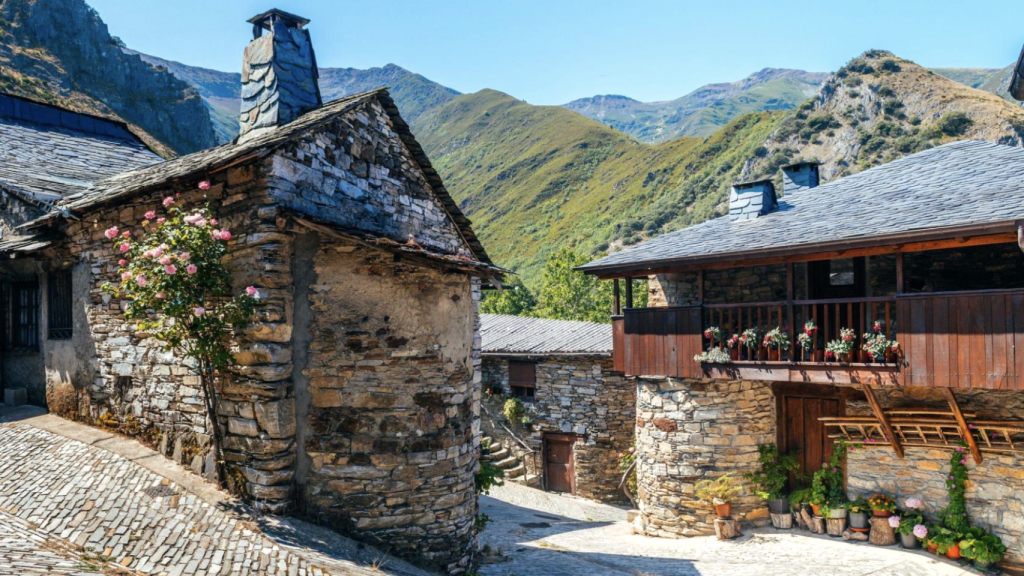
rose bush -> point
(175, 287)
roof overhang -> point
(1017, 78)
(911, 241)
(545, 354)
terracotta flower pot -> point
(848, 357)
(933, 548)
(723, 510)
(816, 509)
(774, 354)
(734, 353)
(953, 553)
(881, 513)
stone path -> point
(25, 551)
(536, 533)
(89, 499)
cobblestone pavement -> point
(91, 499)
(537, 533)
(25, 551)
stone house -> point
(356, 399)
(923, 251)
(582, 409)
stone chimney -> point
(279, 74)
(748, 200)
(799, 176)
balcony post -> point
(790, 290)
(616, 300)
(629, 291)
(899, 274)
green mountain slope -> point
(704, 110)
(973, 77)
(59, 51)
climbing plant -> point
(176, 288)
(954, 517)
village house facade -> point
(923, 251)
(580, 409)
(356, 399)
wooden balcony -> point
(955, 340)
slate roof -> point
(948, 188)
(504, 334)
(48, 154)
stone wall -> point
(690, 430)
(728, 286)
(579, 395)
(995, 492)
(393, 403)
(997, 266)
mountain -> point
(536, 178)
(973, 77)
(221, 91)
(705, 110)
(60, 52)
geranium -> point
(749, 338)
(777, 338)
(713, 333)
(191, 314)
(733, 341)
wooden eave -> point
(920, 241)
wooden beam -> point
(900, 284)
(616, 300)
(965, 431)
(869, 393)
(700, 287)
(629, 292)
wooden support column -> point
(964, 430)
(899, 275)
(616, 300)
(629, 292)
(790, 291)
(869, 392)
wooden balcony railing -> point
(965, 340)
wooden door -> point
(559, 468)
(798, 408)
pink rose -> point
(184, 256)
(165, 260)
(125, 247)
(215, 233)
(168, 201)
(252, 291)
(160, 295)
(204, 185)
(150, 215)
(213, 221)
(225, 234)
(161, 220)
(126, 234)
(126, 275)
(141, 280)
(191, 269)
(171, 270)
(199, 311)
(111, 233)
(122, 262)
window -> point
(24, 335)
(59, 305)
(522, 379)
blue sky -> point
(551, 52)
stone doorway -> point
(559, 464)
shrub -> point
(487, 477)
(954, 123)
(513, 410)
(859, 66)
(724, 488)
(889, 65)
(771, 478)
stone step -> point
(527, 479)
(515, 472)
(507, 463)
(500, 454)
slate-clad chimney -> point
(279, 74)
(799, 176)
(748, 200)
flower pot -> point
(723, 509)
(862, 357)
(734, 353)
(762, 354)
(773, 354)
(859, 521)
(982, 566)
(816, 509)
(840, 513)
(953, 553)
(848, 357)
(909, 541)
(780, 506)
(881, 513)
(933, 548)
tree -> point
(568, 294)
(514, 299)
(177, 289)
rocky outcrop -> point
(86, 70)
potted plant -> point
(882, 505)
(713, 356)
(983, 550)
(841, 350)
(733, 344)
(713, 334)
(751, 342)
(893, 353)
(719, 493)
(800, 500)
(930, 530)
(776, 341)
(806, 340)
(859, 512)
(771, 478)
(946, 542)
(874, 344)
(827, 497)
(911, 523)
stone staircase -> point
(501, 458)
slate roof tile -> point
(501, 333)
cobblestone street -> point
(62, 500)
(538, 533)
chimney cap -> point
(799, 163)
(265, 20)
(751, 183)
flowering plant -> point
(713, 355)
(841, 347)
(806, 338)
(749, 338)
(882, 503)
(176, 289)
(875, 344)
(921, 531)
(954, 517)
(733, 341)
(913, 504)
(777, 338)
(909, 521)
(713, 333)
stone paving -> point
(89, 499)
(536, 533)
(25, 551)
